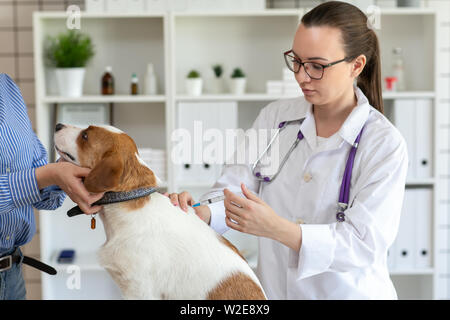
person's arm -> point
(371, 222)
(18, 189)
(51, 196)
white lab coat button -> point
(307, 177)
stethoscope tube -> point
(281, 126)
(344, 194)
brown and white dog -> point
(154, 250)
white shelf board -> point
(270, 97)
(408, 94)
(106, 99)
(412, 272)
(421, 182)
(233, 97)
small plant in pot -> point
(238, 81)
(194, 83)
(69, 53)
(217, 85)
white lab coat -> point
(337, 260)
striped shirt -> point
(21, 153)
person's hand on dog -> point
(184, 199)
(69, 178)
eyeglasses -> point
(313, 69)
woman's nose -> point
(302, 76)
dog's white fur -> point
(160, 252)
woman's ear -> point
(106, 175)
(358, 65)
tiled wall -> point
(16, 59)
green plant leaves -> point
(69, 50)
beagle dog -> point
(153, 249)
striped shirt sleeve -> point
(19, 189)
(51, 197)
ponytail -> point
(369, 81)
(357, 39)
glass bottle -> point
(398, 69)
(108, 81)
(134, 84)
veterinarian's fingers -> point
(233, 225)
(238, 219)
(174, 199)
(250, 195)
(235, 198)
(184, 198)
(166, 194)
(229, 205)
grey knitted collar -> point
(114, 197)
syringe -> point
(209, 201)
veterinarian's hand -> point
(69, 178)
(254, 217)
(184, 199)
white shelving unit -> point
(176, 43)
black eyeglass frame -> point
(324, 66)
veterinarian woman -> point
(27, 181)
(309, 246)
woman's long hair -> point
(357, 39)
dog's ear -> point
(106, 175)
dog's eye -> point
(84, 135)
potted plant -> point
(194, 83)
(217, 82)
(69, 54)
(238, 81)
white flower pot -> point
(194, 86)
(70, 81)
(217, 85)
(237, 85)
(51, 83)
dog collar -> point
(114, 197)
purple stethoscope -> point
(345, 186)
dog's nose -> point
(59, 126)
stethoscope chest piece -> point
(340, 217)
